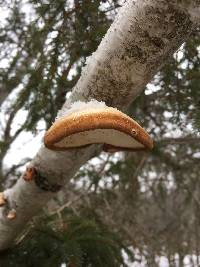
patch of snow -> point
(80, 105)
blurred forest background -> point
(123, 209)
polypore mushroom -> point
(29, 174)
(11, 214)
(2, 199)
(104, 125)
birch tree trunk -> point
(143, 36)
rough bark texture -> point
(144, 35)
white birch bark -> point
(143, 36)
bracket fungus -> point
(29, 174)
(11, 214)
(107, 126)
(2, 199)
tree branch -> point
(188, 140)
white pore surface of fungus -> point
(80, 106)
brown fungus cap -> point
(107, 126)
(2, 199)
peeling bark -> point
(143, 36)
